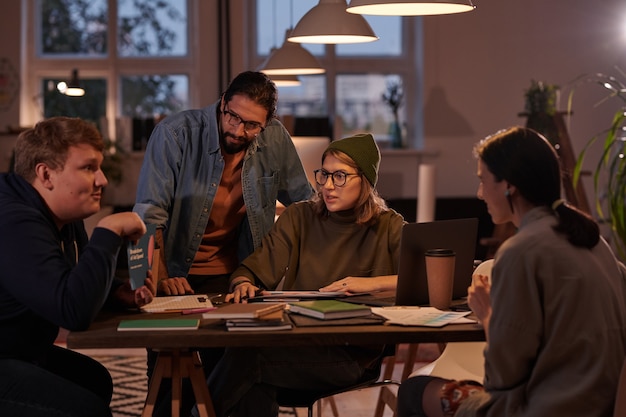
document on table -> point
(421, 316)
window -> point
(357, 75)
(133, 58)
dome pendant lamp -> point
(291, 59)
(329, 23)
(409, 7)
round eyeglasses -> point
(339, 178)
(250, 128)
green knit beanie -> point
(362, 149)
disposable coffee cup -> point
(440, 274)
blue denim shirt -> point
(182, 169)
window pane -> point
(151, 28)
(91, 106)
(274, 17)
(361, 107)
(389, 31)
(73, 27)
(154, 95)
(305, 100)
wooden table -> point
(177, 361)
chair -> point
(293, 398)
(307, 399)
(620, 397)
(459, 360)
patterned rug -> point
(130, 384)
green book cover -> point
(329, 309)
(158, 324)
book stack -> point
(251, 317)
(329, 309)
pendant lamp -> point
(285, 80)
(329, 23)
(291, 59)
(409, 7)
(73, 87)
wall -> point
(477, 66)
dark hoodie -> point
(42, 286)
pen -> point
(198, 310)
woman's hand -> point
(174, 286)
(479, 297)
(354, 285)
(243, 289)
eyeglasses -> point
(339, 178)
(249, 127)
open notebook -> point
(172, 303)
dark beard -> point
(231, 148)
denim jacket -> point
(182, 169)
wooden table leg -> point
(199, 385)
(178, 364)
(162, 369)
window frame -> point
(110, 67)
(408, 65)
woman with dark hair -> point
(344, 239)
(554, 313)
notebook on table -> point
(457, 234)
(173, 303)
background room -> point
(463, 76)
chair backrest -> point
(620, 397)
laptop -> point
(457, 234)
(412, 289)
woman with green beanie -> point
(344, 238)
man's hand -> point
(174, 286)
(127, 225)
(143, 295)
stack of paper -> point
(421, 316)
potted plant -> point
(610, 194)
(540, 106)
(393, 97)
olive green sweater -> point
(311, 251)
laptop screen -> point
(457, 234)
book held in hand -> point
(158, 324)
(264, 311)
(329, 309)
(141, 257)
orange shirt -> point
(217, 253)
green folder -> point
(158, 324)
